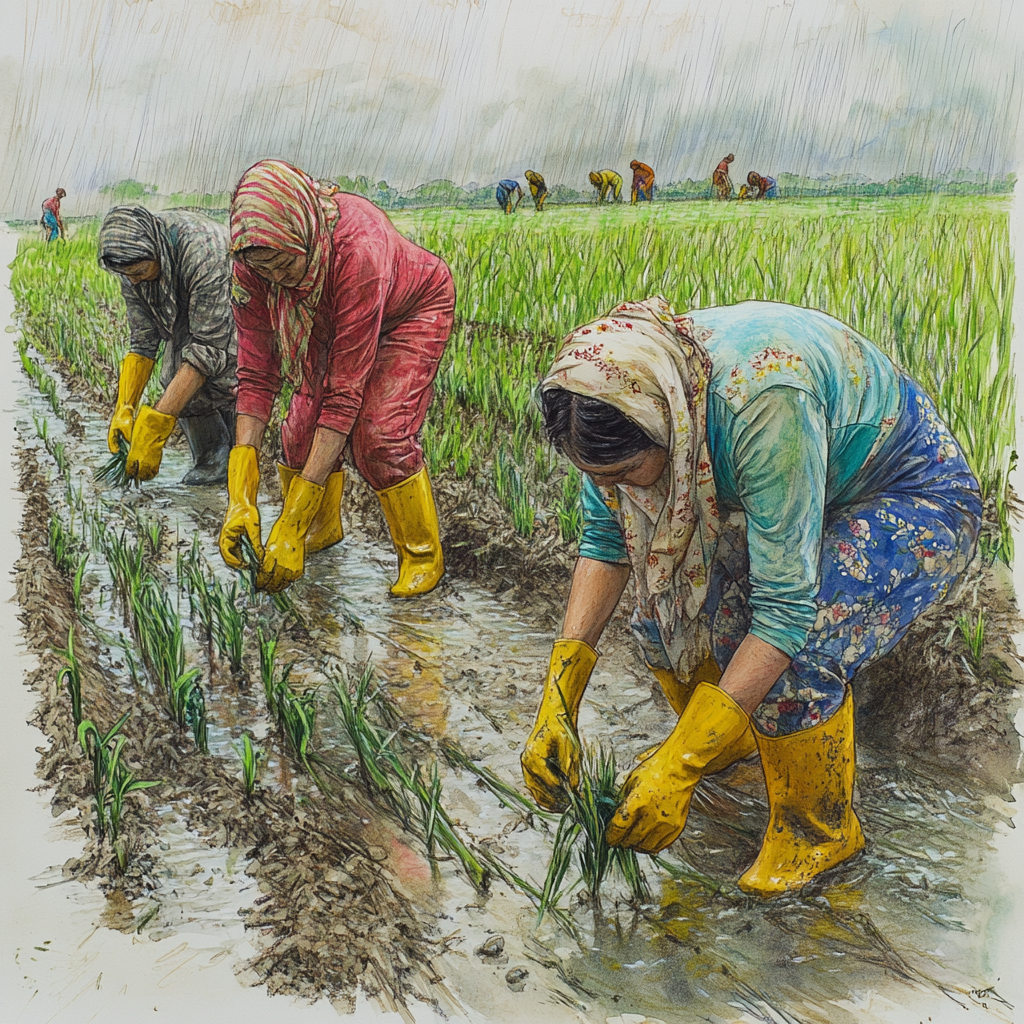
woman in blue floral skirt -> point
(787, 502)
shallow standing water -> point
(903, 924)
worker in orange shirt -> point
(643, 182)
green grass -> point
(929, 280)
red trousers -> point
(384, 441)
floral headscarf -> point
(645, 362)
(277, 206)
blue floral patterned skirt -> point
(884, 560)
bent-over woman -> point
(787, 502)
(538, 189)
(330, 297)
(176, 279)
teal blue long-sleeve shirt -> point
(797, 403)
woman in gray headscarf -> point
(176, 281)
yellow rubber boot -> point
(326, 528)
(284, 557)
(412, 519)
(551, 757)
(679, 693)
(135, 373)
(811, 824)
(242, 516)
(656, 795)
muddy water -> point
(903, 924)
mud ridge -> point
(330, 920)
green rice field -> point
(929, 279)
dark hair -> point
(753, 178)
(590, 430)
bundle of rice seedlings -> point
(114, 470)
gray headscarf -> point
(131, 234)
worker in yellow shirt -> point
(606, 181)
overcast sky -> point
(187, 93)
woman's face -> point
(144, 270)
(642, 470)
(275, 266)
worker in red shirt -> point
(51, 219)
(330, 297)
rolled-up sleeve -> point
(602, 538)
(259, 362)
(144, 335)
(360, 286)
(779, 446)
(211, 327)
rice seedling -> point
(77, 581)
(42, 428)
(512, 493)
(583, 829)
(294, 713)
(65, 546)
(508, 795)
(112, 779)
(195, 710)
(70, 674)
(972, 632)
(567, 508)
(282, 601)
(228, 622)
(250, 756)
(387, 772)
(115, 470)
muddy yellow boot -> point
(551, 757)
(412, 519)
(678, 694)
(811, 825)
(326, 528)
(656, 795)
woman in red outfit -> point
(328, 295)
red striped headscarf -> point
(277, 206)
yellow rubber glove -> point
(135, 374)
(656, 795)
(551, 758)
(242, 516)
(285, 554)
(149, 436)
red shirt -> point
(52, 205)
(376, 280)
(723, 166)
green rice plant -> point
(112, 779)
(127, 563)
(282, 601)
(65, 546)
(972, 632)
(568, 509)
(508, 795)
(228, 622)
(115, 470)
(70, 674)
(583, 829)
(42, 429)
(388, 774)
(296, 715)
(250, 756)
(195, 710)
(77, 580)
(512, 493)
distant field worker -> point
(507, 188)
(859, 512)
(763, 187)
(330, 297)
(606, 181)
(721, 183)
(51, 219)
(176, 281)
(538, 189)
(643, 182)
